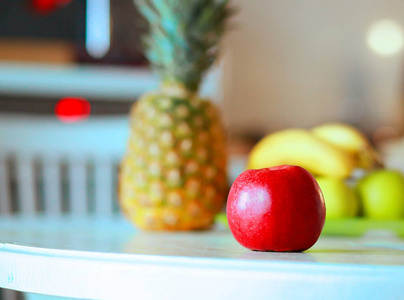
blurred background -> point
(284, 64)
(291, 63)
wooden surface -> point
(111, 260)
(39, 51)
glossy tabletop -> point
(98, 259)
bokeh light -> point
(72, 109)
(385, 37)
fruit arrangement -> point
(333, 153)
(277, 204)
(173, 176)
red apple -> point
(276, 209)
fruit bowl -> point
(356, 227)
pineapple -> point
(173, 176)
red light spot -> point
(44, 6)
(72, 109)
(48, 6)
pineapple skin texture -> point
(173, 176)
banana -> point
(300, 147)
(350, 139)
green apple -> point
(340, 199)
(382, 194)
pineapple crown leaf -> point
(183, 37)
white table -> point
(110, 260)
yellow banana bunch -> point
(301, 147)
(350, 139)
(330, 150)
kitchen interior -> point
(283, 64)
